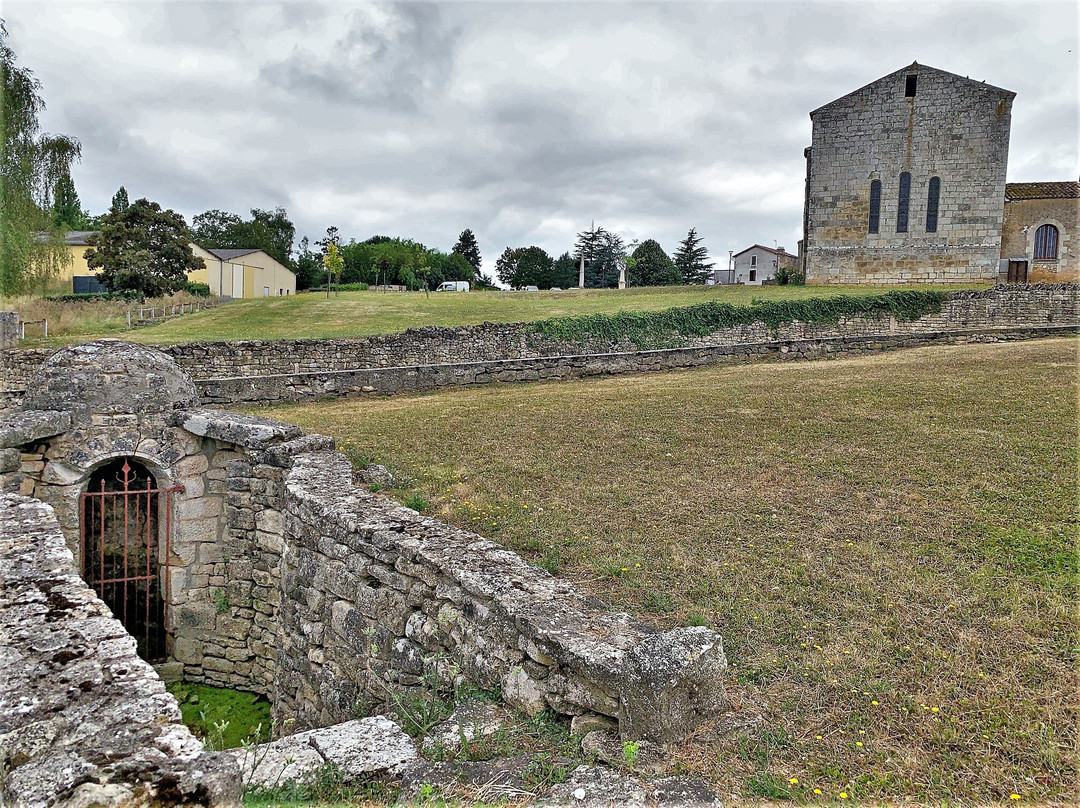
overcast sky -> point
(523, 121)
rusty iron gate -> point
(126, 522)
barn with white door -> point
(239, 273)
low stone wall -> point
(83, 720)
(298, 387)
(268, 371)
(378, 599)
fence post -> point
(45, 328)
(129, 318)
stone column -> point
(9, 329)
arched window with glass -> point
(1046, 243)
(933, 195)
(902, 203)
(874, 223)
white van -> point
(453, 286)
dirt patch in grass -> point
(887, 545)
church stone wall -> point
(953, 128)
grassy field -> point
(355, 314)
(887, 545)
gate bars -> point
(119, 542)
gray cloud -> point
(522, 121)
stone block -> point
(192, 465)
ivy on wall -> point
(673, 328)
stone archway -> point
(124, 534)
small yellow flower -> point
(1014, 796)
(858, 743)
(874, 703)
(794, 781)
(843, 795)
(933, 709)
(819, 738)
(817, 790)
(862, 731)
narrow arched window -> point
(875, 207)
(902, 203)
(933, 194)
(1046, 243)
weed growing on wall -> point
(673, 328)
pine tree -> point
(468, 249)
(692, 259)
(67, 212)
(120, 200)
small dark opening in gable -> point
(910, 85)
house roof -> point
(781, 251)
(1041, 190)
(77, 238)
(228, 255)
(912, 67)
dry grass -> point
(886, 544)
(75, 321)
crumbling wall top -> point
(110, 377)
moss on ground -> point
(223, 718)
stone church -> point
(905, 181)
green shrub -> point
(417, 502)
(673, 328)
(197, 289)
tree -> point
(67, 212)
(32, 248)
(333, 264)
(120, 199)
(468, 249)
(268, 230)
(564, 272)
(308, 266)
(603, 252)
(524, 266)
(691, 258)
(652, 266)
(143, 248)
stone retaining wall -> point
(378, 599)
(269, 371)
(83, 720)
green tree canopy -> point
(653, 267)
(31, 163)
(143, 248)
(692, 259)
(67, 212)
(268, 230)
(468, 249)
(525, 266)
(603, 252)
(382, 259)
(120, 199)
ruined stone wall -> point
(83, 720)
(952, 128)
(297, 370)
(377, 597)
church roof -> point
(1041, 190)
(915, 67)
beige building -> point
(232, 273)
(243, 273)
(1038, 237)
